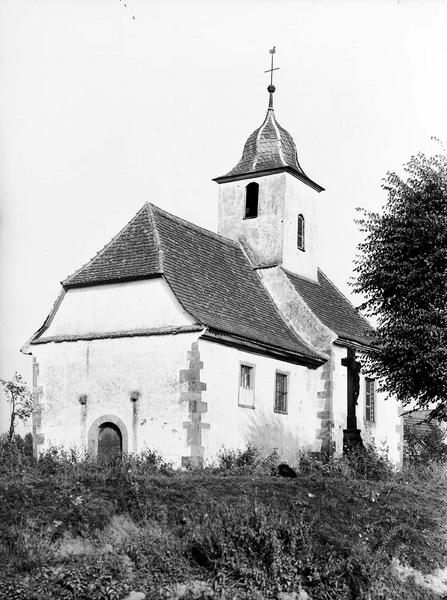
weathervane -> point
(271, 88)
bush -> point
(424, 442)
(17, 453)
(362, 462)
(249, 460)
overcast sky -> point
(106, 104)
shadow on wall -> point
(269, 432)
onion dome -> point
(269, 149)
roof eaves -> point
(312, 360)
(123, 279)
(154, 331)
(265, 172)
(355, 343)
(25, 348)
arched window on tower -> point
(300, 233)
(251, 200)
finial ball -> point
(271, 89)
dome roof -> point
(269, 148)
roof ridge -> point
(151, 217)
(258, 135)
(278, 133)
(308, 347)
(67, 280)
(298, 165)
(193, 226)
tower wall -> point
(300, 199)
(262, 235)
(271, 237)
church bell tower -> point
(267, 202)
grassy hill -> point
(345, 529)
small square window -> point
(370, 400)
(281, 392)
(247, 386)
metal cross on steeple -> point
(271, 88)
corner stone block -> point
(191, 392)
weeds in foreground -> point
(70, 528)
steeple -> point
(269, 149)
(263, 203)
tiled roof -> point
(209, 275)
(269, 148)
(131, 254)
(332, 308)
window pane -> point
(281, 393)
(369, 399)
(246, 377)
(300, 233)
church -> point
(184, 341)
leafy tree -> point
(402, 272)
(19, 397)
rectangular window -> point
(246, 377)
(370, 400)
(247, 386)
(281, 390)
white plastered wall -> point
(386, 430)
(272, 236)
(263, 234)
(108, 372)
(300, 199)
(233, 426)
(117, 307)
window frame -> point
(285, 374)
(252, 185)
(368, 408)
(302, 235)
(252, 366)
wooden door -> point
(110, 444)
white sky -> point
(100, 112)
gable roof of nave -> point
(209, 274)
(214, 281)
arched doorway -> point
(107, 438)
(110, 443)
